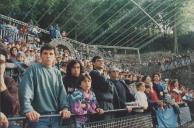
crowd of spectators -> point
(39, 80)
(80, 86)
(155, 58)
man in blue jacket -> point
(122, 90)
(101, 85)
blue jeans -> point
(13, 124)
(51, 122)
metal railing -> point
(118, 118)
(110, 119)
(13, 36)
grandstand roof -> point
(143, 22)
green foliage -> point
(120, 21)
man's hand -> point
(3, 121)
(129, 109)
(33, 116)
(2, 65)
(65, 114)
(99, 110)
(2, 71)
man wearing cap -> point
(101, 85)
(122, 91)
(9, 102)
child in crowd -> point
(140, 96)
(83, 100)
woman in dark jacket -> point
(70, 81)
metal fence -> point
(110, 119)
(12, 36)
(113, 119)
(140, 120)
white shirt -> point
(141, 98)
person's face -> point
(130, 78)
(23, 49)
(176, 84)
(89, 65)
(14, 51)
(134, 78)
(9, 46)
(148, 79)
(147, 90)
(20, 58)
(86, 84)
(38, 59)
(156, 78)
(99, 64)
(142, 88)
(48, 57)
(65, 57)
(75, 71)
(32, 53)
(114, 74)
(59, 59)
(18, 46)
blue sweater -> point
(42, 90)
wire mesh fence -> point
(131, 121)
(112, 119)
(115, 119)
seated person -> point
(83, 100)
(140, 96)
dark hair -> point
(96, 58)
(3, 50)
(139, 84)
(11, 49)
(147, 86)
(71, 64)
(174, 81)
(83, 76)
(156, 74)
(47, 47)
(144, 78)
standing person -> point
(153, 97)
(9, 101)
(101, 85)
(13, 53)
(122, 90)
(157, 85)
(140, 96)
(83, 100)
(176, 92)
(74, 69)
(42, 92)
